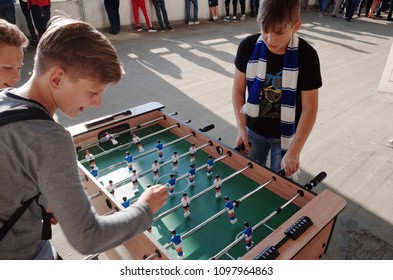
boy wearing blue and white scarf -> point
(281, 73)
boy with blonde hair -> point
(12, 43)
(74, 65)
(282, 75)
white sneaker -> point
(243, 17)
(191, 23)
(227, 19)
(197, 22)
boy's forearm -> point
(306, 123)
(238, 98)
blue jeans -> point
(7, 12)
(188, 7)
(260, 147)
(159, 5)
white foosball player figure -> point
(193, 150)
(155, 167)
(217, 186)
(111, 138)
(185, 201)
(134, 180)
(137, 142)
(175, 160)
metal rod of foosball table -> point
(262, 222)
(129, 144)
(198, 227)
(164, 146)
(124, 131)
(124, 181)
(170, 161)
(163, 214)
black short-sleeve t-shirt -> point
(309, 78)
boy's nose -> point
(15, 76)
(97, 101)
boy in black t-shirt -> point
(282, 75)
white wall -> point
(93, 11)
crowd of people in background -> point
(372, 9)
(38, 12)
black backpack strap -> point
(15, 217)
(22, 113)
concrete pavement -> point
(190, 71)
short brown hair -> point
(79, 49)
(273, 15)
(11, 35)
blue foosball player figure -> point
(94, 171)
(229, 205)
(176, 242)
(248, 235)
(209, 163)
(126, 203)
(191, 174)
(159, 148)
(172, 182)
(128, 160)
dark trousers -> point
(159, 5)
(351, 9)
(254, 4)
(368, 6)
(41, 16)
(112, 9)
(7, 12)
(242, 7)
(29, 20)
(234, 5)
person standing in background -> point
(254, 4)
(29, 21)
(141, 4)
(213, 7)
(112, 10)
(7, 10)
(40, 10)
(159, 6)
(190, 20)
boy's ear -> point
(56, 76)
(297, 25)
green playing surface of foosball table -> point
(211, 238)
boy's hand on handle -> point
(290, 163)
(155, 197)
(242, 140)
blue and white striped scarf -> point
(255, 76)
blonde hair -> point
(11, 35)
(274, 15)
(79, 49)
